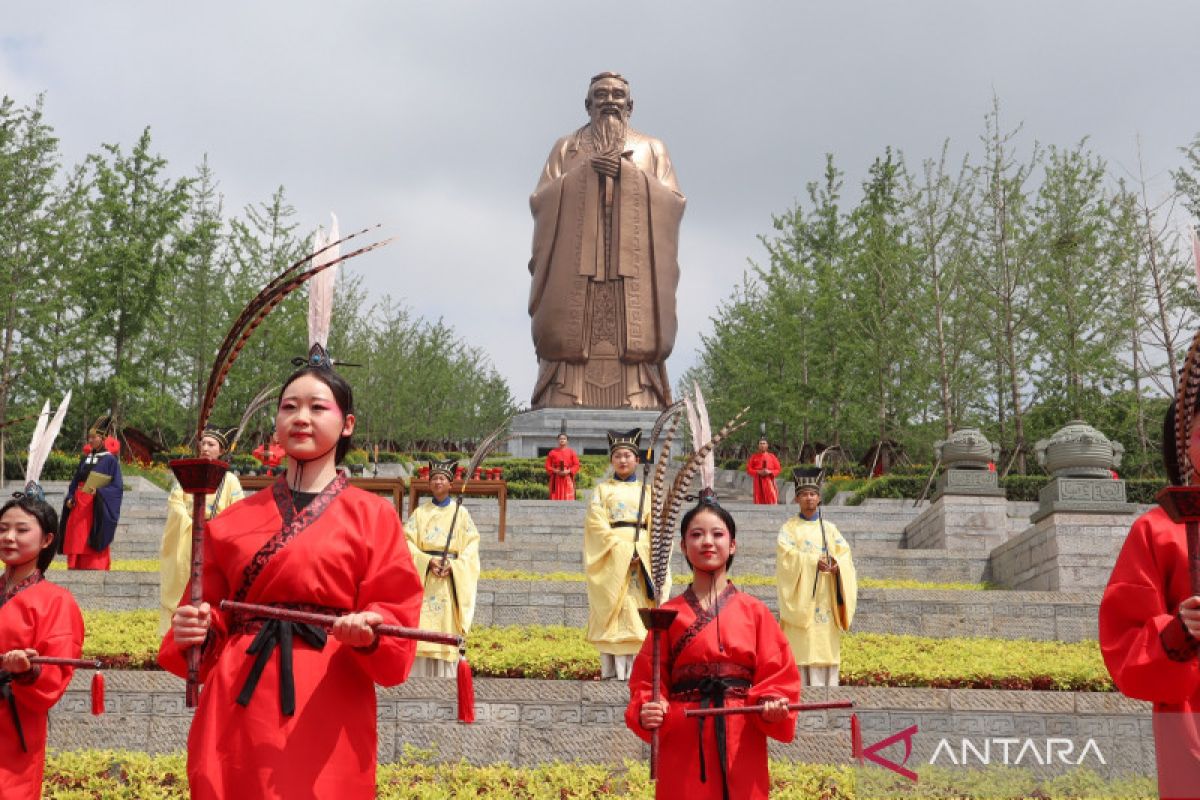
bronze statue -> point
(605, 265)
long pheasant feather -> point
(320, 291)
(253, 315)
(260, 401)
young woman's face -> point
(707, 543)
(624, 462)
(209, 447)
(21, 537)
(308, 422)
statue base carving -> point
(976, 482)
(1082, 495)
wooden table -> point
(392, 488)
(479, 488)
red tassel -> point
(466, 691)
(856, 747)
(98, 693)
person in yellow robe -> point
(818, 587)
(175, 557)
(616, 559)
(450, 584)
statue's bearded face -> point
(609, 96)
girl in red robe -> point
(723, 649)
(764, 468)
(1150, 628)
(287, 711)
(37, 618)
(562, 465)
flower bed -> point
(129, 639)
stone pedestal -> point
(1061, 552)
(960, 522)
(1088, 495)
(973, 482)
(535, 432)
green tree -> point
(131, 259)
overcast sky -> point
(435, 118)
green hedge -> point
(124, 775)
(130, 639)
(60, 466)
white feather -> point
(320, 289)
(708, 467)
(43, 438)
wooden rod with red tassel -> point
(731, 710)
(97, 688)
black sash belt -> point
(711, 692)
(626, 523)
(451, 555)
(6, 693)
(277, 633)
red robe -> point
(562, 487)
(349, 554)
(765, 491)
(755, 651)
(1145, 647)
(45, 617)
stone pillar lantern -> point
(1081, 460)
(966, 456)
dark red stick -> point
(730, 710)
(655, 696)
(1193, 546)
(327, 620)
(192, 692)
(82, 663)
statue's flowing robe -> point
(616, 587)
(814, 621)
(345, 551)
(44, 617)
(590, 300)
(1146, 648)
(765, 491)
(747, 644)
(175, 555)
(449, 603)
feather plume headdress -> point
(44, 434)
(1187, 396)
(320, 295)
(263, 304)
(667, 503)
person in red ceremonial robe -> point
(723, 649)
(1150, 626)
(562, 465)
(92, 506)
(37, 618)
(764, 468)
(287, 711)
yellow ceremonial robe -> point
(813, 622)
(449, 603)
(175, 556)
(616, 588)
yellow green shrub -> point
(130, 638)
(118, 775)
